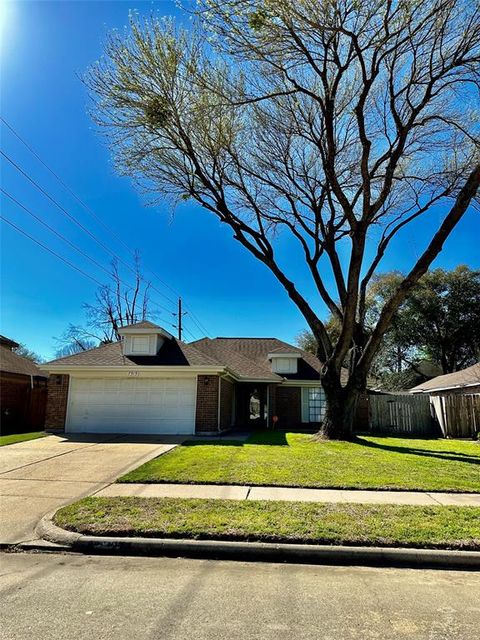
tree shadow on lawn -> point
(455, 456)
(267, 438)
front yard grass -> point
(295, 460)
(13, 438)
(313, 523)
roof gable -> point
(144, 324)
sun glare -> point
(6, 7)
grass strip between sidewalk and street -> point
(296, 460)
(13, 438)
(290, 522)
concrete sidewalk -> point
(241, 492)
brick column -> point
(207, 404)
(272, 404)
(57, 400)
(226, 404)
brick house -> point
(150, 382)
(23, 390)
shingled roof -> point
(144, 324)
(11, 362)
(465, 378)
(248, 357)
(172, 353)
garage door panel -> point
(132, 405)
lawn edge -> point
(36, 437)
(259, 551)
(292, 486)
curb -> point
(259, 551)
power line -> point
(197, 322)
(62, 237)
(69, 215)
(59, 235)
(195, 319)
(185, 330)
(75, 221)
(57, 255)
(64, 184)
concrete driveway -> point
(41, 475)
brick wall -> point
(289, 407)
(272, 403)
(57, 402)
(207, 404)
(226, 404)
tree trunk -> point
(341, 412)
(341, 404)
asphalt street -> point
(54, 596)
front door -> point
(257, 407)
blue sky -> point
(46, 46)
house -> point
(465, 381)
(150, 382)
(455, 401)
(23, 390)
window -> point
(313, 404)
(140, 344)
(284, 365)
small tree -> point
(337, 122)
(116, 305)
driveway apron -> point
(41, 475)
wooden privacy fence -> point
(402, 414)
(457, 415)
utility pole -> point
(179, 318)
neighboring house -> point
(455, 401)
(151, 382)
(465, 381)
(23, 390)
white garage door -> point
(132, 405)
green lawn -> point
(385, 525)
(296, 460)
(21, 437)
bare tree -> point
(337, 122)
(25, 352)
(116, 305)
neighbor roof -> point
(11, 362)
(6, 342)
(465, 378)
(172, 353)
